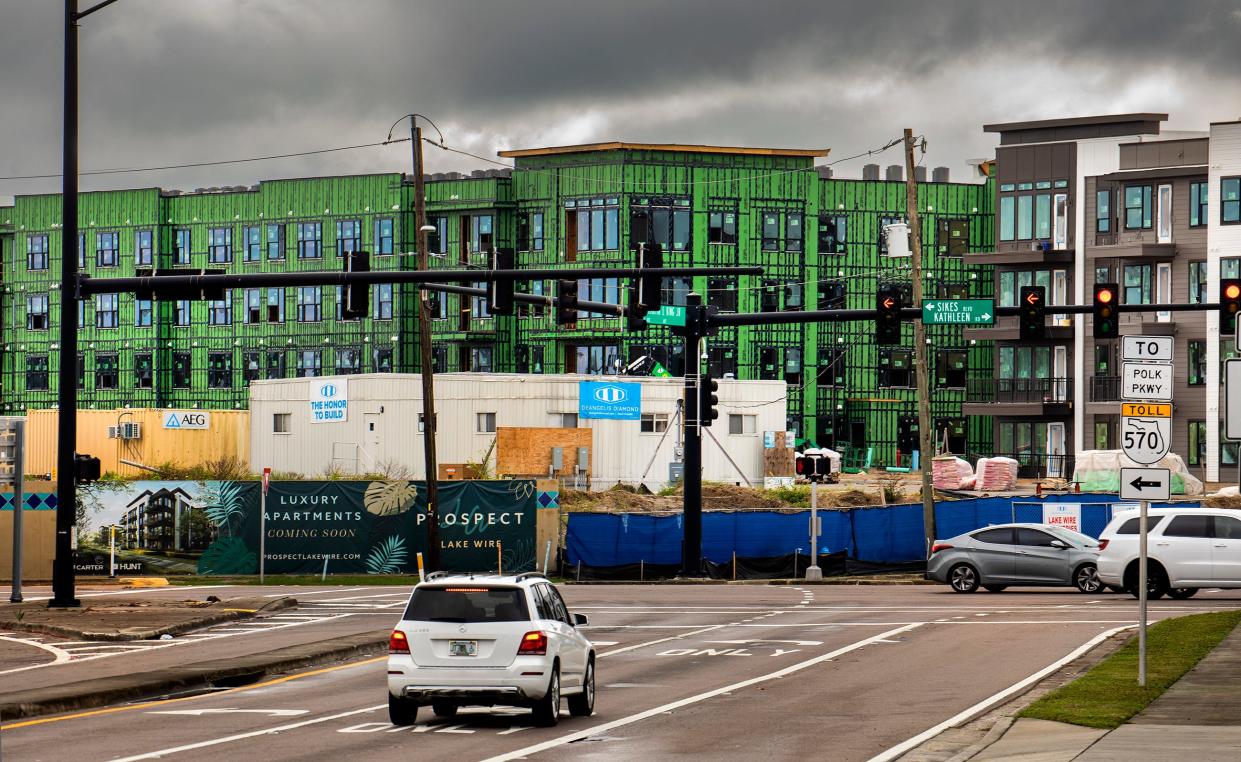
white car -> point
(483, 640)
(1187, 549)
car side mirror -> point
(1059, 544)
(580, 620)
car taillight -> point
(398, 643)
(937, 547)
(533, 644)
(1102, 545)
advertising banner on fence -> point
(357, 527)
(1067, 515)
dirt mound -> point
(1222, 501)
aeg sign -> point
(186, 419)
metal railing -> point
(1022, 390)
(1104, 388)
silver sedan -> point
(1016, 554)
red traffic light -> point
(1104, 295)
(1232, 291)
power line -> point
(127, 170)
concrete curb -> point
(232, 672)
(216, 617)
(825, 581)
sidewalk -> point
(1198, 718)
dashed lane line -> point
(59, 655)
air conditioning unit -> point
(131, 431)
(112, 432)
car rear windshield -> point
(467, 604)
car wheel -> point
(402, 711)
(963, 578)
(1086, 579)
(444, 709)
(1156, 582)
(995, 588)
(1181, 593)
(583, 704)
(547, 710)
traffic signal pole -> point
(926, 454)
(691, 548)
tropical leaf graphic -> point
(228, 555)
(389, 498)
(388, 557)
(518, 556)
(222, 501)
(521, 488)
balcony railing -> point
(1035, 465)
(1104, 388)
(1019, 390)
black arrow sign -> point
(1140, 485)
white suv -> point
(1187, 548)
(483, 640)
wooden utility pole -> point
(926, 454)
(426, 356)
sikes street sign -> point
(958, 311)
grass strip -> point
(343, 580)
(1109, 694)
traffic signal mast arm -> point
(915, 313)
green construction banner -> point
(368, 527)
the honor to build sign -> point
(329, 401)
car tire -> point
(1182, 593)
(1086, 579)
(583, 704)
(547, 709)
(1156, 582)
(402, 711)
(995, 588)
(963, 578)
(445, 709)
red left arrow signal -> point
(1032, 297)
(887, 303)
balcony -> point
(1021, 253)
(1035, 465)
(1008, 328)
(1131, 245)
(1105, 388)
(1019, 396)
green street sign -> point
(667, 315)
(958, 312)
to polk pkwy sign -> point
(1145, 431)
(1146, 381)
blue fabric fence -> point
(879, 534)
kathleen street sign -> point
(958, 311)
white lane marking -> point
(299, 593)
(615, 651)
(992, 700)
(251, 734)
(669, 707)
(60, 655)
(355, 598)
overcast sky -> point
(178, 81)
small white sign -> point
(1146, 348)
(1146, 381)
(1145, 484)
(1232, 398)
(1145, 440)
(329, 400)
(187, 419)
(1067, 515)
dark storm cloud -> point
(172, 82)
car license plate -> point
(463, 648)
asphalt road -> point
(843, 673)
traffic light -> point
(566, 302)
(356, 296)
(708, 400)
(85, 468)
(635, 317)
(1229, 304)
(888, 324)
(1033, 312)
(500, 292)
(812, 465)
(1106, 298)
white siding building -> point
(382, 425)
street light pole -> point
(925, 455)
(425, 354)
